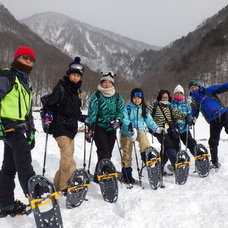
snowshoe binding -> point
(153, 165)
(182, 167)
(107, 178)
(44, 202)
(77, 189)
(202, 162)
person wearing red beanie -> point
(16, 121)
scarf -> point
(178, 98)
(21, 67)
(107, 92)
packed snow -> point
(201, 202)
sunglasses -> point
(27, 57)
(139, 94)
(109, 73)
(77, 67)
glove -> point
(31, 137)
(87, 121)
(48, 118)
(134, 134)
(82, 118)
(89, 135)
(194, 120)
(159, 130)
(2, 131)
(115, 124)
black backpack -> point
(44, 100)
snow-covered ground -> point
(201, 202)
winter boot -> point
(39, 190)
(18, 208)
(127, 176)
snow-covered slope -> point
(201, 202)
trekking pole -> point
(194, 135)
(137, 164)
(45, 153)
(84, 161)
(123, 164)
(90, 154)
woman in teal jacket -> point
(136, 116)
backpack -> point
(44, 100)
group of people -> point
(106, 113)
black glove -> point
(82, 118)
(115, 124)
(89, 135)
(190, 120)
(31, 137)
(2, 131)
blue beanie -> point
(75, 67)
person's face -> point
(137, 100)
(193, 88)
(75, 78)
(165, 97)
(106, 84)
(178, 94)
(26, 60)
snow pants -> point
(127, 146)
(105, 141)
(16, 158)
(215, 130)
(67, 164)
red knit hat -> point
(24, 51)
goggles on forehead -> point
(109, 73)
(77, 67)
(138, 94)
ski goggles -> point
(27, 57)
(138, 94)
(109, 73)
(77, 67)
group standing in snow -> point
(106, 113)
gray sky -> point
(157, 22)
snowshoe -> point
(107, 178)
(77, 189)
(44, 202)
(153, 165)
(182, 167)
(202, 162)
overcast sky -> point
(157, 22)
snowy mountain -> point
(201, 202)
(100, 49)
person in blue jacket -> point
(178, 102)
(213, 110)
(133, 129)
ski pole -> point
(45, 153)
(137, 164)
(90, 154)
(84, 161)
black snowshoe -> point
(44, 202)
(107, 178)
(77, 189)
(202, 162)
(182, 167)
(153, 165)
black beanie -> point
(137, 92)
(75, 67)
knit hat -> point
(177, 89)
(75, 67)
(24, 51)
(108, 76)
(193, 83)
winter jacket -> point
(170, 113)
(65, 104)
(207, 101)
(185, 108)
(102, 110)
(15, 99)
(133, 116)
